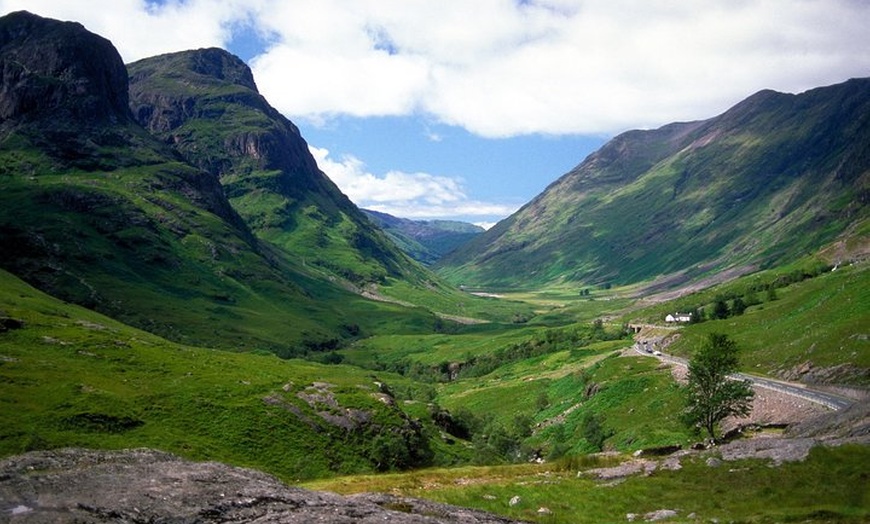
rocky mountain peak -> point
(51, 69)
(223, 65)
(205, 105)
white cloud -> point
(139, 29)
(502, 67)
(408, 195)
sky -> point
(467, 109)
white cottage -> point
(679, 317)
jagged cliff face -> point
(64, 90)
(206, 106)
(64, 107)
(772, 179)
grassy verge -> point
(830, 486)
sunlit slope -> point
(96, 211)
(206, 105)
(770, 180)
(72, 377)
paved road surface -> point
(828, 400)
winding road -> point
(829, 400)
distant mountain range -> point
(774, 178)
(425, 240)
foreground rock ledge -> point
(82, 486)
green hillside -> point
(803, 322)
(205, 103)
(97, 211)
(774, 178)
(176, 273)
(72, 377)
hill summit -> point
(774, 178)
(205, 105)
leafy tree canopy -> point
(712, 395)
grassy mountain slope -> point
(206, 105)
(95, 211)
(770, 180)
(805, 322)
(425, 240)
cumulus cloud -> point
(505, 67)
(409, 195)
(140, 29)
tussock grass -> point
(72, 377)
(830, 486)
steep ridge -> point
(96, 211)
(775, 177)
(205, 104)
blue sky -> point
(468, 109)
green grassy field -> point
(71, 377)
(830, 486)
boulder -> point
(141, 485)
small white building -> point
(679, 317)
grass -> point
(433, 349)
(822, 320)
(71, 377)
(636, 402)
(830, 486)
(435, 295)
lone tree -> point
(712, 395)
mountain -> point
(425, 241)
(205, 105)
(775, 177)
(97, 211)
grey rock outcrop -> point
(85, 486)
